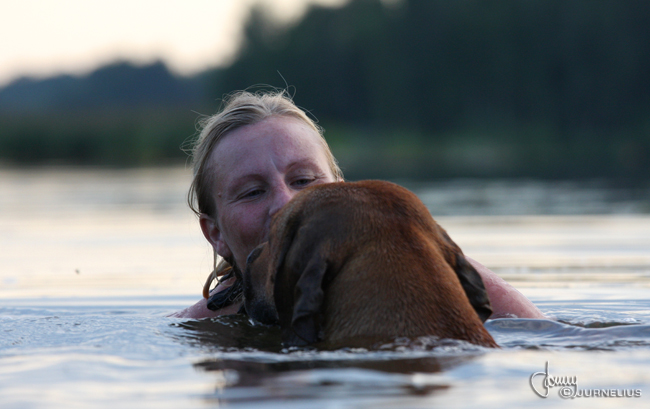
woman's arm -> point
(506, 301)
(200, 309)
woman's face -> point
(257, 170)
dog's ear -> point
(469, 278)
(306, 318)
(298, 291)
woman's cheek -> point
(253, 226)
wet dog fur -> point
(360, 263)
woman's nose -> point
(280, 197)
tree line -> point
(437, 88)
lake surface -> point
(92, 261)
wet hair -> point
(240, 108)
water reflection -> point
(528, 197)
(246, 381)
(230, 333)
(249, 364)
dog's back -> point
(369, 263)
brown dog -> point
(358, 263)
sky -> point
(42, 38)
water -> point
(91, 262)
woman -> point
(251, 159)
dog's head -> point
(285, 279)
(265, 263)
(283, 276)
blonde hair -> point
(239, 109)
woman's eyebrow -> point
(304, 163)
(238, 183)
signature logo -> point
(568, 384)
(542, 382)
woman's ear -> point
(212, 233)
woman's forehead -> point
(276, 141)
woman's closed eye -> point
(303, 182)
(251, 194)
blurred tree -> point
(544, 88)
(573, 73)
